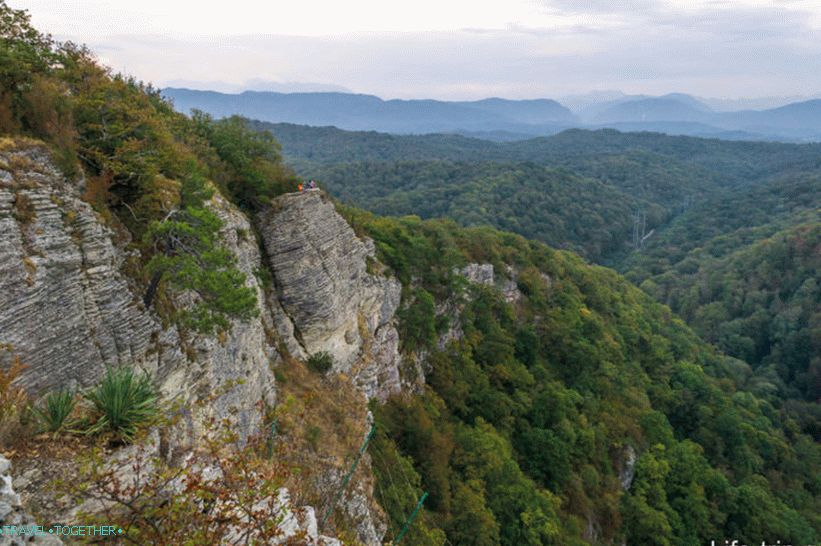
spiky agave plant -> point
(123, 401)
(54, 410)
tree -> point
(188, 255)
(24, 53)
(255, 170)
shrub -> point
(13, 401)
(56, 408)
(321, 362)
(224, 492)
(123, 401)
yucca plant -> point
(55, 408)
(123, 401)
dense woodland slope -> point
(607, 175)
(715, 209)
(560, 403)
(532, 415)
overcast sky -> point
(455, 49)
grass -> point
(55, 410)
(123, 402)
(319, 419)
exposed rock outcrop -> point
(65, 308)
(627, 470)
(478, 273)
(68, 310)
(330, 300)
(18, 528)
(246, 355)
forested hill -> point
(541, 392)
(737, 159)
(540, 399)
(728, 227)
(578, 190)
(743, 269)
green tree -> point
(188, 255)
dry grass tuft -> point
(13, 404)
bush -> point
(13, 401)
(123, 401)
(321, 362)
(57, 406)
(225, 492)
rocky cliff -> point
(331, 302)
(69, 307)
(67, 310)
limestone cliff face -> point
(330, 300)
(246, 355)
(68, 310)
(65, 308)
(12, 513)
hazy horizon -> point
(523, 49)
(573, 101)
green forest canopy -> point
(525, 429)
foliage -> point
(552, 205)
(742, 271)
(225, 492)
(55, 410)
(321, 362)
(255, 169)
(24, 53)
(146, 164)
(730, 161)
(13, 401)
(418, 321)
(523, 433)
(577, 190)
(187, 253)
(123, 402)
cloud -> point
(730, 49)
(600, 6)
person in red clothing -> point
(299, 187)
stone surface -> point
(296, 520)
(329, 299)
(64, 307)
(13, 514)
(627, 469)
(478, 273)
(484, 274)
(68, 310)
(244, 357)
(357, 502)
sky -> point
(454, 49)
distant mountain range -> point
(502, 119)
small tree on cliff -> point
(188, 255)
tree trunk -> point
(152, 289)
